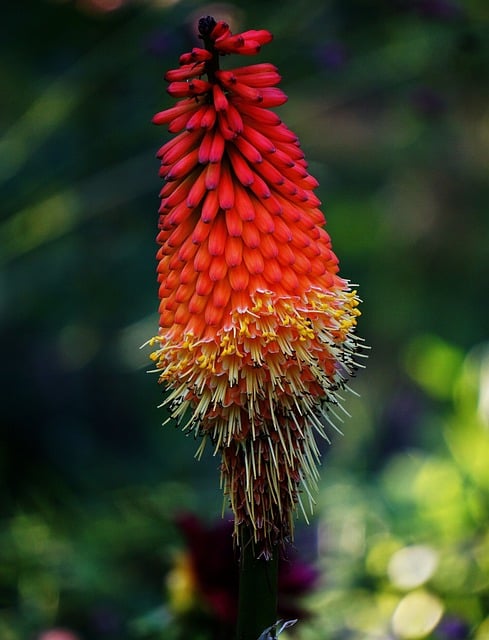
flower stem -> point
(258, 582)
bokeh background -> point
(389, 98)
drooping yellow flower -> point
(256, 326)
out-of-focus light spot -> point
(412, 566)
(399, 475)
(483, 631)
(433, 364)
(441, 498)
(30, 535)
(77, 345)
(101, 6)
(467, 433)
(40, 593)
(58, 634)
(379, 555)
(352, 536)
(371, 614)
(481, 555)
(416, 615)
(44, 115)
(130, 343)
(165, 3)
(181, 583)
(483, 395)
(452, 571)
(33, 226)
(438, 484)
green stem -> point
(258, 583)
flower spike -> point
(257, 328)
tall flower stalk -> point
(256, 326)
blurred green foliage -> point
(389, 99)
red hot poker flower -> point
(256, 326)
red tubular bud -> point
(220, 100)
(210, 206)
(245, 91)
(248, 150)
(272, 205)
(212, 175)
(179, 123)
(233, 251)
(251, 235)
(239, 278)
(183, 166)
(257, 113)
(197, 191)
(258, 140)
(221, 30)
(260, 35)
(292, 150)
(227, 132)
(264, 220)
(282, 159)
(176, 193)
(280, 133)
(184, 106)
(179, 89)
(217, 148)
(205, 147)
(194, 87)
(176, 147)
(240, 167)
(185, 72)
(234, 118)
(266, 79)
(196, 118)
(178, 215)
(269, 173)
(209, 118)
(234, 223)
(243, 204)
(272, 97)
(254, 69)
(251, 48)
(226, 188)
(196, 55)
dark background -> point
(389, 99)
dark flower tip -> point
(206, 24)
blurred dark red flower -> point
(211, 572)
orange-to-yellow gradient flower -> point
(256, 326)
